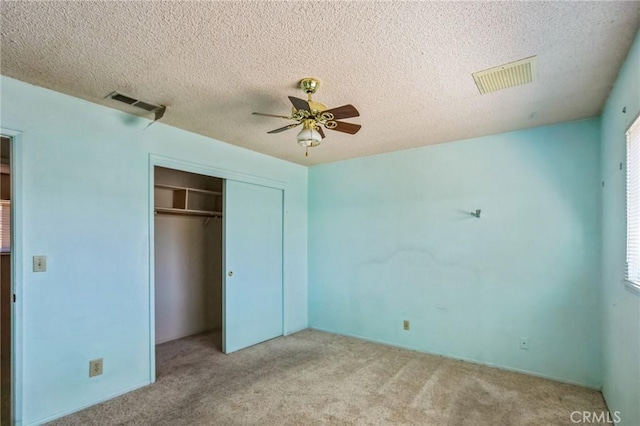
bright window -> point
(633, 205)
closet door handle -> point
(230, 273)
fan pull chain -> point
(306, 152)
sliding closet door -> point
(253, 265)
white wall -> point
(84, 178)
(188, 276)
(188, 263)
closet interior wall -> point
(5, 281)
(188, 257)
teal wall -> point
(621, 325)
(85, 191)
(390, 238)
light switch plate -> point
(39, 263)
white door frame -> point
(16, 273)
(212, 171)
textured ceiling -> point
(405, 65)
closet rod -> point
(188, 213)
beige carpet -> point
(315, 378)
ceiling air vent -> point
(147, 106)
(507, 75)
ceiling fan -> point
(313, 116)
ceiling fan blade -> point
(347, 127)
(344, 111)
(272, 115)
(320, 131)
(300, 103)
(282, 129)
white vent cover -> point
(507, 75)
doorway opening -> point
(217, 253)
(188, 251)
(6, 293)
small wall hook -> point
(476, 213)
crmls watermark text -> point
(589, 417)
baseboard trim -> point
(459, 358)
(98, 401)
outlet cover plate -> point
(95, 367)
(524, 343)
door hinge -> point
(14, 298)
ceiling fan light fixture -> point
(313, 116)
(309, 138)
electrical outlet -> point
(405, 324)
(524, 343)
(39, 263)
(95, 367)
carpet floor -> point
(316, 378)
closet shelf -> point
(185, 212)
(176, 188)
(179, 200)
